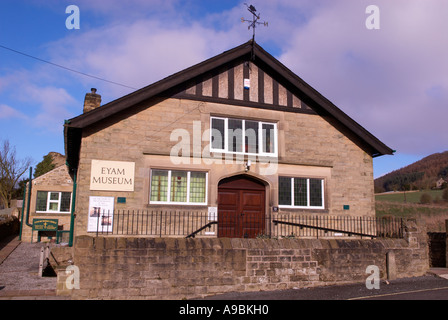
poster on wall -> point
(101, 214)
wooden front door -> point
(241, 208)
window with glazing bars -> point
(178, 187)
(297, 192)
(53, 201)
(243, 136)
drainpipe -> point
(28, 200)
(22, 213)
(72, 214)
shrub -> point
(425, 198)
(9, 225)
(445, 194)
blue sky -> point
(391, 80)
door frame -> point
(240, 183)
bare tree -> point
(11, 170)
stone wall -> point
(168, 268)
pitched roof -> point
(58, 171)
(175, 83)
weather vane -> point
(254, 22)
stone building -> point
(440, 183)
(51, 199)
(237, 139)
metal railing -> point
(337, 226)
(161, 223)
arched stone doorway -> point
(241, 207)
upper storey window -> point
(241, 136)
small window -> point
(198, 185)
(178, 187)
(284, 191)
(251, 137)
(235, 135)
(300, 192)
(268, 131)
(218, 127)
(159, 185)
(41, 204)
(53, 202)
(316, 192)
(66, 198)
(305, 193)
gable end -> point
(244, 83)
(221, 80)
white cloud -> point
(139, 53)
(8, 113)
(52, 105)
(36, 103)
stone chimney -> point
(92, 101)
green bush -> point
(445, 194)
(425, 198)
(9, 225)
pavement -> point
(19, 280)
(19, 272)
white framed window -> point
(239, 136)
(53, 202)
(178, 187)
(304, 193)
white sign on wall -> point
(112, 175)
(213, 213)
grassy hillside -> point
(408, 196)
(433, 214)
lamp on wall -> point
(247, 165)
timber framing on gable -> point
(226, 85)
(221, 80)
